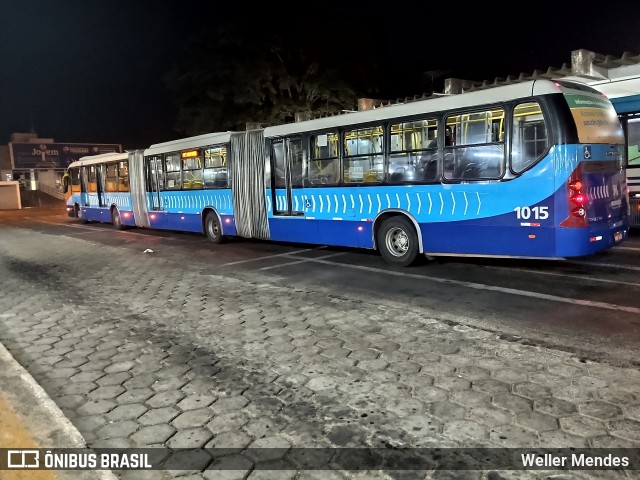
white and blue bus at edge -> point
(526, 170)
(628, 108)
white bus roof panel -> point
(433, 104)
(191, 142)
(103, 157)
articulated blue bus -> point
(527, 170)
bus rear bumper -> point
(578, 242)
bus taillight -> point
(575, 186)
(579, 212)
(577, 201)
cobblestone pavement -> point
(139, 350)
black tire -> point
(116, 220)
(79, 216)
(212, 228)
(398, 241)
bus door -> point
(100, 185)
(155, 182)
(84, 186)
(286, 168)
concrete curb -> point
(47, 424)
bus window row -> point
(110, 177)
(471, 146)
(189, 170)
(461, 147)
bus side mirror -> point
(65, 183)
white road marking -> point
(630, 249)
(481, 286)
(94, 229)
(267, 256)
(610, 265)
(555, 274)
(299, 261)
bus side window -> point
(324, 162)
(73, 180)
(172, 169)
(215, 167)
(295, 157)
(93, 179)
(123, 177)
(529, 138)
(413, 155)
(364, 160)
(476, 153)
(112, 177)
(279, 167)
(192, 173)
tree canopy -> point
(230, 78)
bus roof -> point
(191, 142)
(432, 104)
(103, 157)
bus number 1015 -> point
(537, 213)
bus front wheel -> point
(115, 219)
(79, 216)
(212, 228)
(398, 241)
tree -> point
(232, 77)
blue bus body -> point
(92, 211)
(476, 219)
(184, 211)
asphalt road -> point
(589, 306)
(160, 339)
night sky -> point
(91, 71)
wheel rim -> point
(116, 218)
(397, 242)
(213, 228)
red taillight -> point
(577, 201)
(576, 186)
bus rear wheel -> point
(212, 228)
(398, 241)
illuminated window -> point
(413, 151)
(172, 169)
(529, 138)
(93, 180)
(363, 158)
(215, 167)
(112, 177)
(191, 169)
(123, 176)
(476, 149)
(324, 165)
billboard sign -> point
(46, 156)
